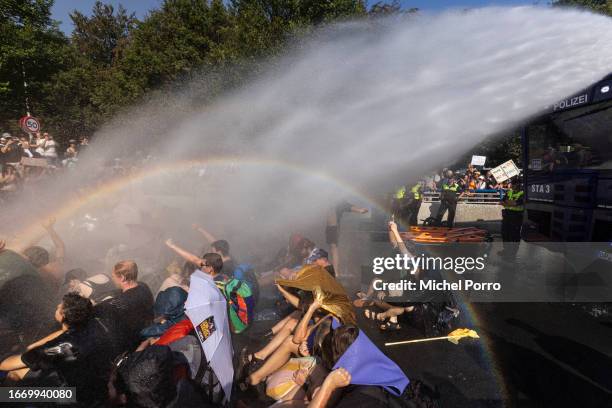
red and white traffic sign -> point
(29, 124)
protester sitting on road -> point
(280, 332)
(296, 344)
(133, 307)
(96, 288)
(80, 354)
(169, 309)
(154, 377)
(391, 309)
(177, 276)
(50, 267)
(211, 263)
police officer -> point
(398, 202)
(448, 199)
(414, 204)
(512, 218)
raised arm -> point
(60, 248)
(209, 237)
(46, 339)
(301, 330)
(359, 210)
(326, 395)
(186, 255)
(291, 298)
(397, 238)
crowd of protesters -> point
(470, 179)
(19, 172)
(123, 342)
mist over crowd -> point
(152, 169)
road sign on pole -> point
(29, 124)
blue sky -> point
(62, 8)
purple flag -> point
(370, 366)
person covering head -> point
(325, 288)
(362, 358)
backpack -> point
(240, 302)
(202, 375)
(246, 272)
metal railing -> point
(488, 198)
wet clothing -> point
(81, 357)
(26, 300)
(133, 309)
(169, 306)
(102, 288)
(176, 332)
(363, 396)
(228, 267)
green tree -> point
(599, 6)
(32, 50)
(101, 36)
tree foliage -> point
(111, 60)
(599, 6)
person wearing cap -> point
(320, 257)
(448, 199)
(481, 184)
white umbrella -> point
(206, 307)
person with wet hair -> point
(153, 377)
(279, 333)
(300, 343)
(96, 288)
(211, 263)
(221, 247)
(50, 267)
(78, 355)
(133, 307)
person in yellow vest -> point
(450, 194)
(397, 202)
(512, 218)
(415, 197)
